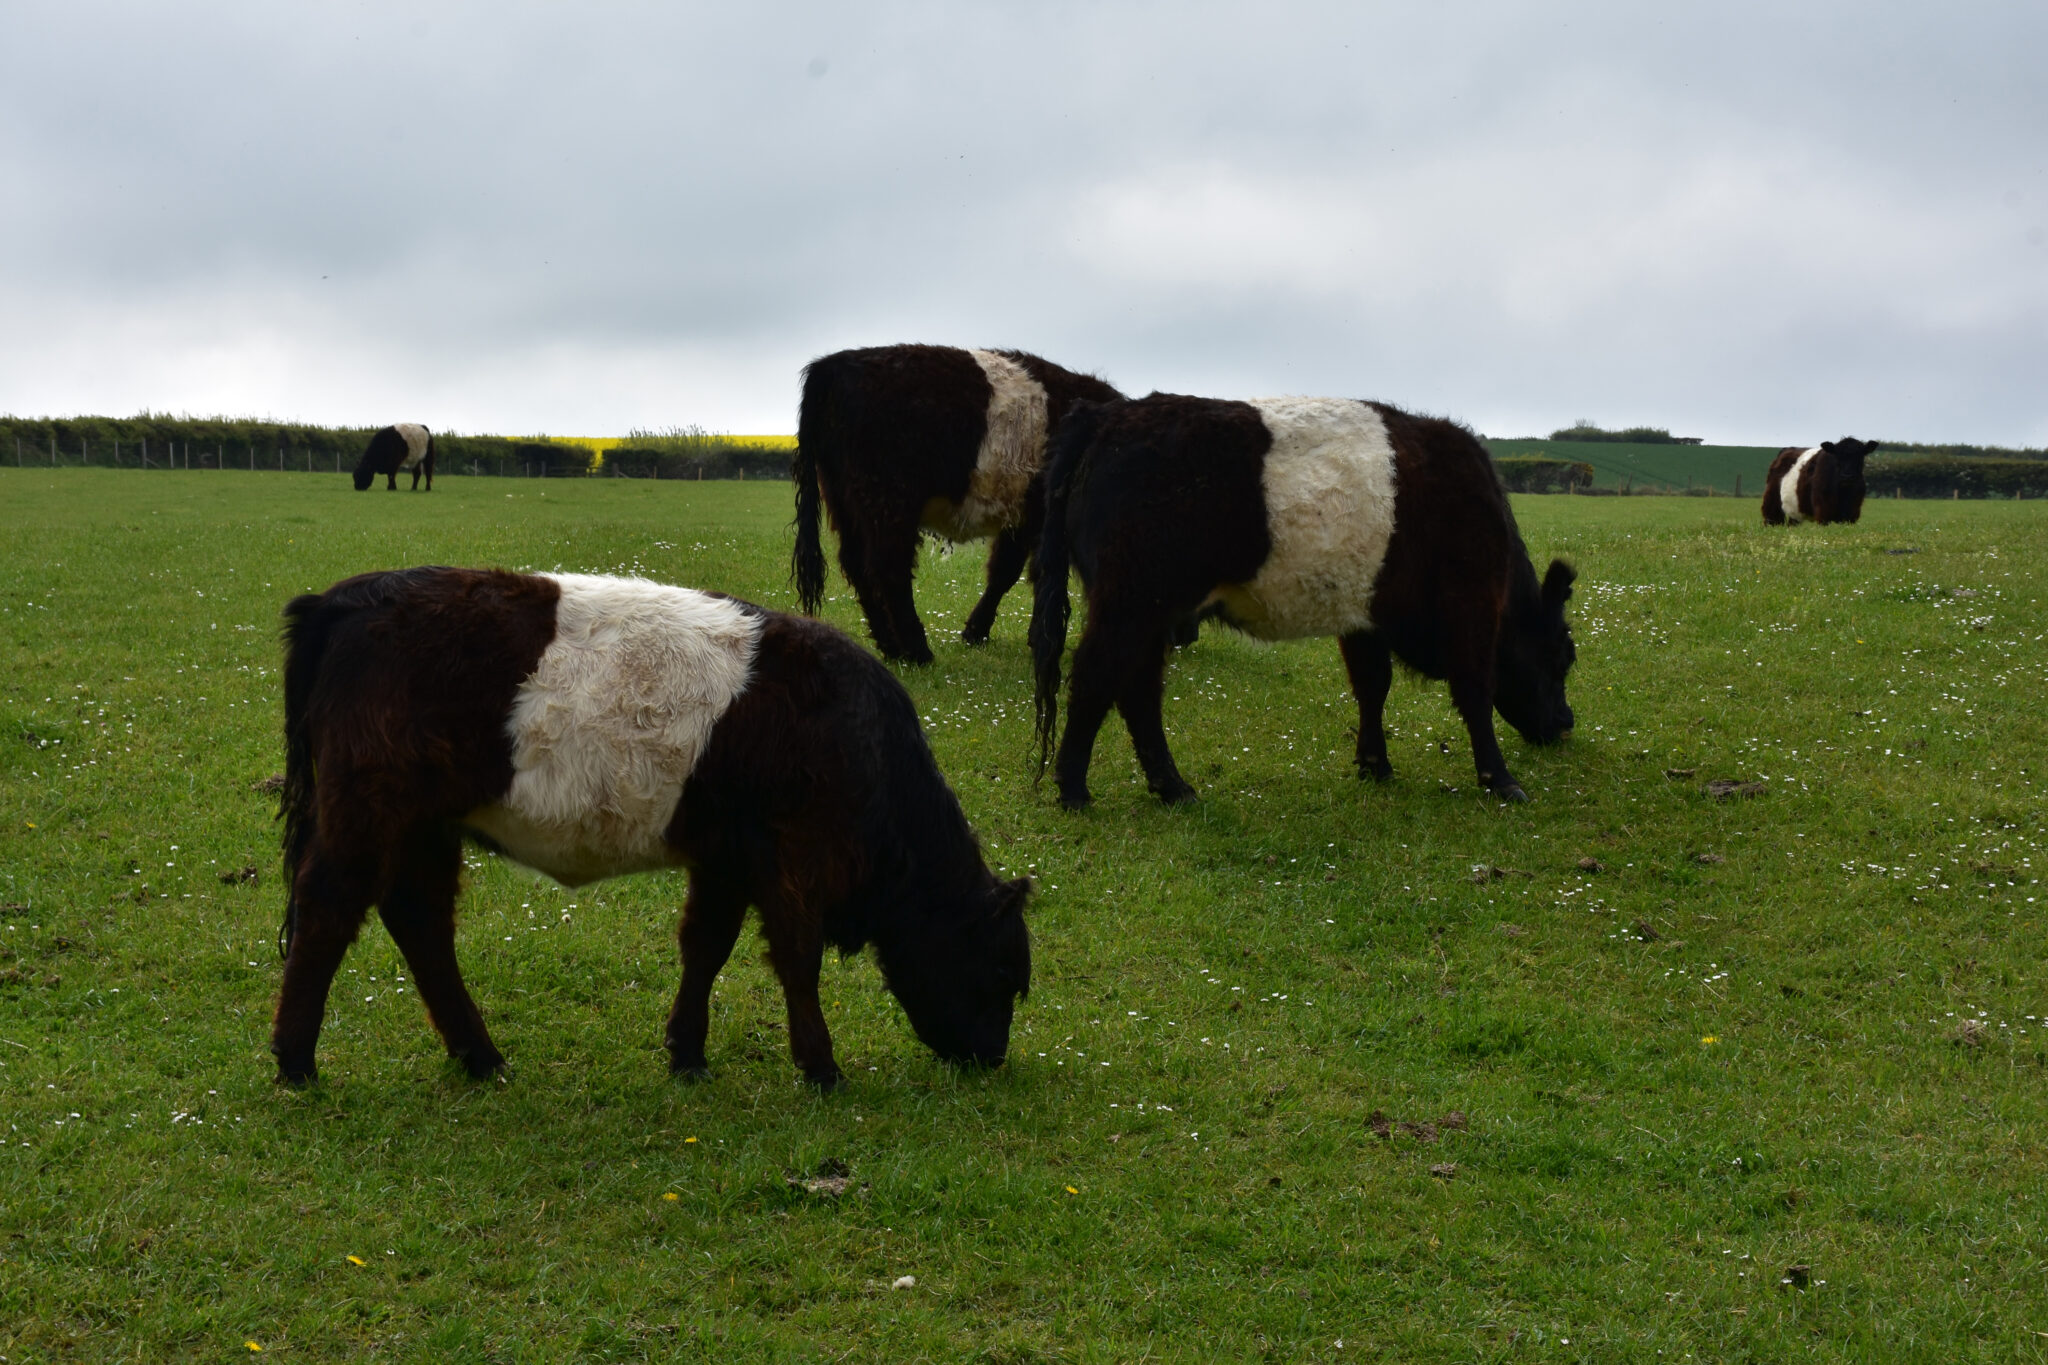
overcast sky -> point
(1758, 223)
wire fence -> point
(292, 453)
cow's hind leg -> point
(331, 901)
(1006, 557)
(893, 562)
(879, 560)
(419, 913)
(1140, 702)
(1372, 675)
(712, 916)
(1110, 650)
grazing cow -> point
(394, 450)
(588, 727)
(1820, 483)
(1285, 518)
(904, 439)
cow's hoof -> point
(974, 635)
(1511, 793)
(693, 1072)
(1376, 769)
(298, 1078)
(1076, 800)
(825, 1080)
(1179, 794)
(481, 1063)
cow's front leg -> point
(1474, 699)
(796, 957)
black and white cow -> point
(1820, 483)
(588, 727)
(898, 440)
(394, 450)
(1286, 518)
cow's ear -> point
(1010, 897)
(1557, 582)
(1828, 446)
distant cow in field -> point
(1820, 483)
(394, 450)
(1286, 518)
(903, 439)
(588, 727)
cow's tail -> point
(1050, 609)
(814, 431)
(307, 630)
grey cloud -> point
(1754, 224)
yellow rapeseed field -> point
(598, 445)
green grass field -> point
(1618, 464)
(1802, 1028)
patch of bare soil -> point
(832, 1179)
(1728, 789)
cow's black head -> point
(365, 476)
(1534, 655)
(960, 976)
(1850, 452)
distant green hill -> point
(1676, 467)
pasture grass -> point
(1799, 1028)
(1620, 464)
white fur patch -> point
(415, 438)
(1788, 487)
(1329, 488)
(1009, 459)
(613, 721)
